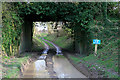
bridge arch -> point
(45, 12)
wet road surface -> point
(36, 70)
(46, 48)
(58, 50)
(52, 66)
(65, 69)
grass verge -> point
(62, 41)
(38, 45)
(106, 60)
(51, 46)
(11, 66)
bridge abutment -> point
(26, 37)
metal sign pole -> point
(95, 49)
(96, 42)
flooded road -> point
(52, 66)
(65, 69)
(37, 69)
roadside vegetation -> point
(51, 46)
(11, 65)
(106, 61)
(0, 53)
(82, 22)
(62, 41)
(38, 45)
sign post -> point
(95, 49)
(96, 42)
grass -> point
(62, 41)
(61, 56)
(107, 57)
(76, 60)
(11, 66)
(0, 52)
(12, 73)
(38, 45)
(43, 34)
(51, 46)
(40, 42)
(0, 37)
(50, 37)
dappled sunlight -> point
(59, 40)
(55, 32)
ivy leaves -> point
(78, 14)
(12, 23)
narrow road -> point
(62, 67)
(46, 48)
(38, 69)
(58, 50)
(52, 66)
(65, 69)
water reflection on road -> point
(65, 69)
(36, 70)
(61, 66)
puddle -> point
(65, 69)
(61, 68)
(40, 65)
(42, 57)
(36, 70)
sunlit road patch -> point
(65, 69)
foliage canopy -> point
(80, 16)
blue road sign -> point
(95, 41)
